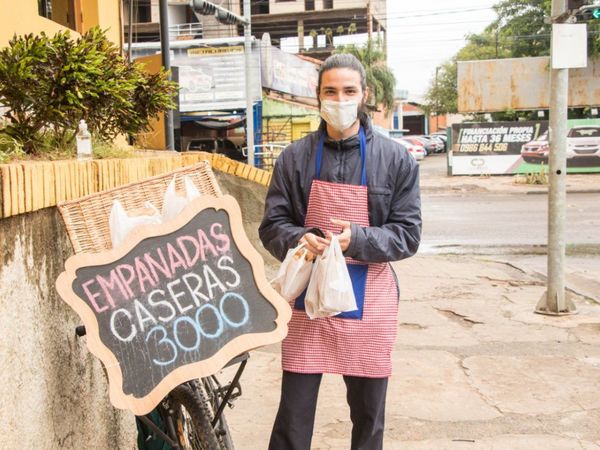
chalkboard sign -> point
(174, 302)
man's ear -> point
(366, 95)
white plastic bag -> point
(312, 299)
(330, 289)
(173, 204)
(121, 224)
(294, 273)
(335, 289)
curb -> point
(569, 191)
(542, 277)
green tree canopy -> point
(519, 31)
(49, 84)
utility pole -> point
(554, 301)
(437, 100)
(369, 20)
(130, 31)
(166, 62)
(249, 90)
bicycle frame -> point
(224, 394)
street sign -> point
(174, 302)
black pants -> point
(295, 419)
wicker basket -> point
(86, 218)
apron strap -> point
(363, 156)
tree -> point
(49, 84)
(380, 78)
(519, 31)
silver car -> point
(583, 141)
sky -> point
(422, 36)
(434, 33)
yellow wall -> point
(22, 17)
(155, 137)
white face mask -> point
(340, 115)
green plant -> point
(352, 28)
(329, 36)
(9, 148)
(314, 34)
(105, 150)
(539, 177)
(49, 84)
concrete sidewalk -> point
(474, 367)
(440, 184)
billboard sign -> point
(287, 73)
(521, 147)
(521, 83)
(214, 78)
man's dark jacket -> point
(393, 187)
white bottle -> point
(84, 142)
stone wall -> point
(54, 392)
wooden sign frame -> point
(238, 345)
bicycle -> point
(191, 416)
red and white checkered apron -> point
(360, 348)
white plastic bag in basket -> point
(173, 204)
(121, 224)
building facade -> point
(314, 23)
(51, 16)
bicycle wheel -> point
(192, 417)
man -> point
(348, 180)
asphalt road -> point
(495, 221)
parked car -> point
(443, 139)
(417, 151)
(440, 145)
(429, 145)
(418, 142)
(583, 141)
(217, 145)
(536, 151)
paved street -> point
(474, 367)
(475, 219)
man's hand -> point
(314, 244)
(345, 236)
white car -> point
(417, 151)
(583, 141)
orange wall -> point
(22, 17)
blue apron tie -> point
(358, 272)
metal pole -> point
(554, 301)
(130, 31)
(249, 100)
(166, 62)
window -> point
(65, 12)
(309, 5)
(45, 8)
(327, 4)
(143, 12)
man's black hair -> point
(343, 61)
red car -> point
(536, 151)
